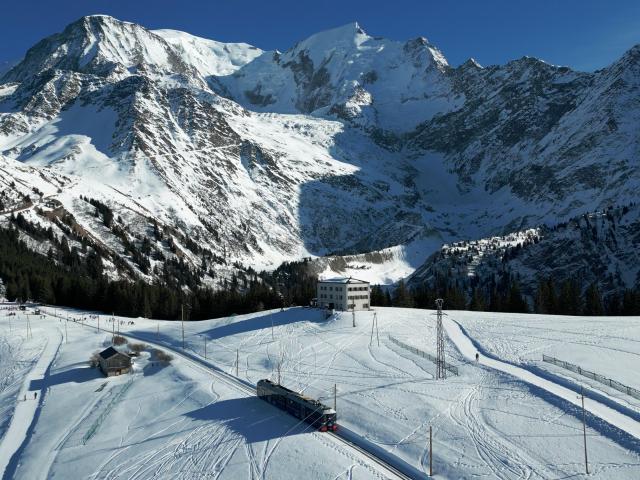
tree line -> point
(75, 277)
(564, 298)
(70, 279)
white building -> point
(343, 294)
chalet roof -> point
(110, 352)
(342, 280)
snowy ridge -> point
(209, 57)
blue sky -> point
(585, 34)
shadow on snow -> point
(72, 375)
(286, 317)
(254, 419)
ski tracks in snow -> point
(505, 460)
(26, 413)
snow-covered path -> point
(611, 416)
(25, 410)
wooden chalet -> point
(113, 362)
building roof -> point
(341, 280)
(110, 352)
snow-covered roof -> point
(341, 280)
(110, 352)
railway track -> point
(385, 467)
(394, 471)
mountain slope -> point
(601, 249)
(344, 144)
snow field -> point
(181, 422)
(175, 421)
(486, 422)
(605, 345)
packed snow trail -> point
(609, 415)
(25, 413)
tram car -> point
(305, 408)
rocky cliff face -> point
(344, 144)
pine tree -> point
(631, 302)
(569, 300)
(478, 302)
(387, 298)
(402, 296)
(546, 300)
(377, 296)
(455, 299)
(593, 301)
(516, 303)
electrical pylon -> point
(441, 371)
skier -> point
(477, 357)
(35, 395)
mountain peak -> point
(348, 30)
(471, 63)
(345, 38)
(100, 45)
(93, 22)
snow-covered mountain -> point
(343, 144)
(348, 74)
(601, 248)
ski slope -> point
(610, 415)
(179, 421)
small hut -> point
(113, 362)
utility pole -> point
(430, 453)
(354, 316)
(278, 371)
(335, 397)
(584, 432)
(374, 324)
(441, 371)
